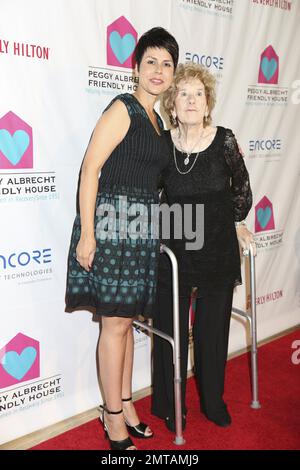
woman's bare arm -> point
(109, 131)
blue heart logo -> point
(14, 146)
(17, 365)
(122, 47)
(263, 216)
(268, 67)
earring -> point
(173, 120)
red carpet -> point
(275, 426)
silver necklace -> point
(188, 154)
(175, 160)
(187, 159)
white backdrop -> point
(61, 62)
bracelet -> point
(241, 222)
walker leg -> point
(176, 349)
(255, 402)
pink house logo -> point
(120, 43)
(269, 67)
(16, 148)
(264, 216)
(19, 361)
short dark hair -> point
(160, 38)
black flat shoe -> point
(223, 419)
(124, 444)
(138, 430)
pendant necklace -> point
(186, 161)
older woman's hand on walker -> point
(245, 239)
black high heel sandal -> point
(138, 430)
(124, 444)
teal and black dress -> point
(122, 281)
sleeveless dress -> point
(219, 181)
(122, 281)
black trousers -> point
(210, 336)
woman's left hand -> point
(245, 238)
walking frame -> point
(251, 318)
(175, 341)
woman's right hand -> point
(85, 251)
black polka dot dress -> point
(122, 281)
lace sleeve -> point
(240, 183)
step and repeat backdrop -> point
(61, 62)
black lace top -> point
(218, 181)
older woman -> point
(205, 168)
